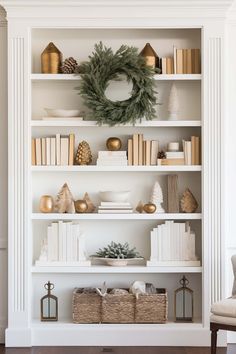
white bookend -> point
(53, 151)
(58, 149)
(48, 151)
(64, 151)
(68, 242)
(55, 240)
(64, 243)
(60, 241)
(43, 141)
(38, 149)
(154, 152)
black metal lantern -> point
(49, 304)
(183, 306)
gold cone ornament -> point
(83, 155)
(188, 202)
(51, 59)
(150, 56)
(64, 201)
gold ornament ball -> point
(81, 206)
(149, 208)
(46, 204)
(113, 144)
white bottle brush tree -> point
(157, 197)
(173, 104)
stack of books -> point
(57, 150)
(142, 152)
(192, 151)
(173, 244)
(63, 244)
(112, 158)
(173, 158)
(115, 208)
(184, 61)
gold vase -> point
(51, 60)
(113, 144)
(46, 204)
(81, 206)
(149, 208)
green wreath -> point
(104, 66)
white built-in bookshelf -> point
(31, 182)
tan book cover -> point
(163, 65)
(185, 61)
(154, 152)
(130, 152)
(33, 152)
(172, 162)
(135, 149)
(64, 151)
(198, 151)
(140, 149)
(144, 152)
(43, 142)
(169, 65)
(197, 61)
(148, 152)
(193, 150)
(179, 61)
(71, 148)
(38, 151)
(189, 61)
(175, 59)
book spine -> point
(38, 151)
(53, 151)
(140, 149)
(197, 61)
(185, 61)
(55, 240)
(50, 244)
(198, 152)
(189, 61)
(71, 148)
(193, 150)
(68, 242)
(60, 241)
(64, 151)
(175, 59)
(58, 149)
(148, 152)
(48, 151)
(135, 150)
(154, 152)
(163, 66)
(43, 143)
(33, 152)
(179, 61)
(64, 243)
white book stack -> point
(63, 246)
(115, 208)
(112, 158)
(173, 244)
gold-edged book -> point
(172, 162)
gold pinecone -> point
(83, 155)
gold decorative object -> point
(149, 208)
(113, 144)
(51, 59)
(83, 155)
(188, 202)
(183, 305)
(49, 304)
(91, 206)
(139, 207)
(65, 201)
(81, 206)
(150, 56)
(46, 204)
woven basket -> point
(86, 308)
(152, 308)
(118, 308)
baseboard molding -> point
(18, 337)
(2, 334)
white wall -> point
(3, 175)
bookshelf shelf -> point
(95, 168)
(115, 270)
(90, 123)
(72, 77)
(135, 216)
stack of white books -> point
(63, 245)
(112, 158)
(115, 208)
(173, 244)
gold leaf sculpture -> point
(65, 201)
(83, 155)
(188, 202)
(91, 206)
(139, 207)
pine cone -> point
(83, 155)
(161, 155)
(69, 66)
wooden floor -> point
(115, 350)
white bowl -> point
(117, 197)
(62, 112)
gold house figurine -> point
(49, 304)
(51, 60)
(150, 56)
(183, 305)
